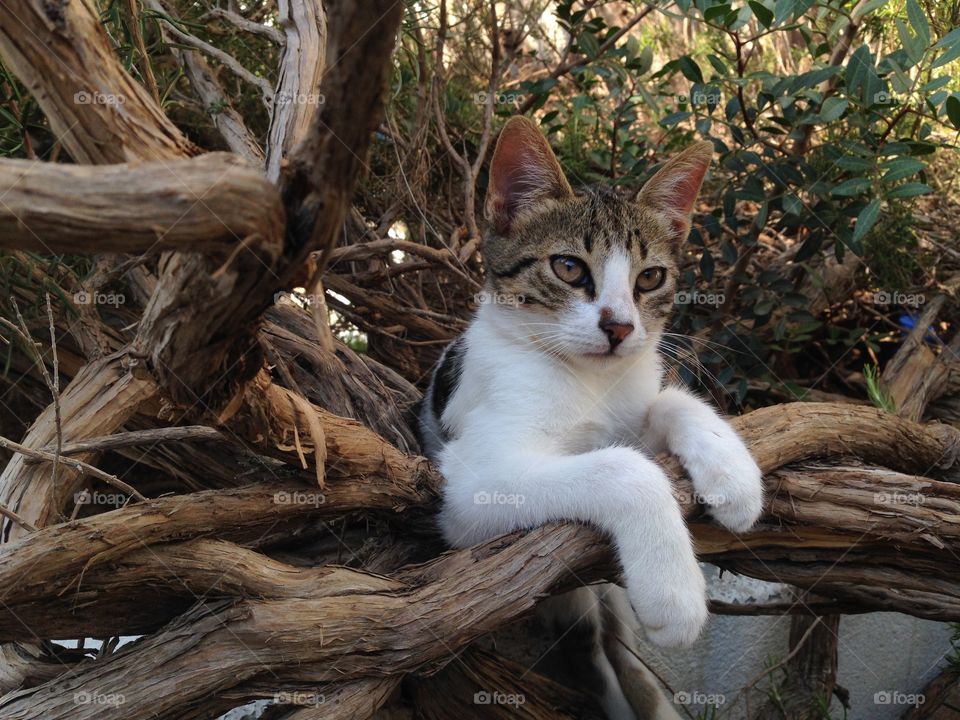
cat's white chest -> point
(586, 412)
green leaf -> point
(918, 21)
(866, 220)
(782, 10)
(948, 56)
(645, 61)
(878, 396)
(953, 110)
(833, 108)
(909, 190)
(862, 76)
(841, 22)
(718, 65)
(763, 14)
(852, 162)
(949, 40)
(792, 205)
(690, 69)
(865, 10)
(812, 78)
(588, 43)
(707, 264)
(810, 247)
(761, 219)
(899, 80)
(853, 186)
(901, 168)
(912, 43)
(674, 118)
(764, 307)
(717, 12)
(737, 19)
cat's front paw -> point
(732, 488)
(676, 616)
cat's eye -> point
(571, 270)
(650, 279)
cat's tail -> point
(597, 653)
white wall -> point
(887, 653)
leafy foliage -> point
(821, 150)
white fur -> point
(537, 437)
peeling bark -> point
(60, 51)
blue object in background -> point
(908, 321)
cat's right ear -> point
(524, 173)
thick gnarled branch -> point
(187, 204)
(846, 553)
(102, 115)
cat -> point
(552, 406)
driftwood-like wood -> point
(319, 177)
(374, 478)
(101, 561)
(188, 433)
(61, 52)
(916, 376)
(227, 120)
(457, 598)
(371, 634)
(188, 204)
(89, 407)
(298, 96)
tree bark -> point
(60, 51)
(143, 207)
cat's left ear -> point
(674, 188)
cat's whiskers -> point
(698, 366)
(714, 346)
(550, 345)
(682, 353)
(709, 343)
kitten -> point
(551, 406)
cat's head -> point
(593, 273)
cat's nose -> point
(615, 330)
